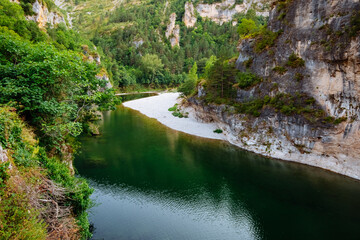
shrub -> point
(248, 63)
(295, 61)
(265, 39)
(252, 107)
(218, 131)
(340, 120)
(299, 77)
(174, 108)
(280, 70)
(355, 24)
(246, 79)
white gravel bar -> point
(157, 107)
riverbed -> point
(152, 182)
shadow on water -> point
(152, 182)
(135, 96)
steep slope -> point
(305, 108)
(52, 84)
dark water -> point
(154, 183)
(130, 97)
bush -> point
(340, 120)
(280, 70)
(188, 87)
(174, 108)
(247, 79)
(265, 39)
(355, 24)
(295, 61)
(218, 131)
(299, 77)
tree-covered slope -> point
(129, 31)
(50, 92)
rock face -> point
(322, 33)
(43, 16)
(173, 31)
(189, 15)
(224, 11)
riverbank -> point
(157, 107)
(264, 144)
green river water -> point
(152, 182)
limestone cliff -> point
(325, 35)
(224, 11)
(189, 15)
(43, 16)
(173, 31)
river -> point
(152, 182)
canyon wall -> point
(325, 35)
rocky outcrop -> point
(173, 31)
(189, 15)
(4, 157)
(325, 35)
(43, 16)
(225, 11)
(139, 42)
(284, 137)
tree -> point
(52, 89)
(151, 64)
(221, 77)
(209, 63)
(246, 27)
(189, 85)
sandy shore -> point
(157, 107)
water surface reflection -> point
(155, 183)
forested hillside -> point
(132, 34)
(50, 92)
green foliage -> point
(51, 88)
(18, 220)
(12, 17)
(247, 79)
(295, 61)
(209, 64)
(265, 39)
(247, 27)
(252, 107)
(340, 120)
(117, 33)
(282, 5)
(189, 86)
(280, 70)
(222, 77)
(151, 64)
(248, 63)
(17, 137)
(4, 176)
(299, 77)
(172, 109)
(177, 113)
(355, 24)
(218, 131)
